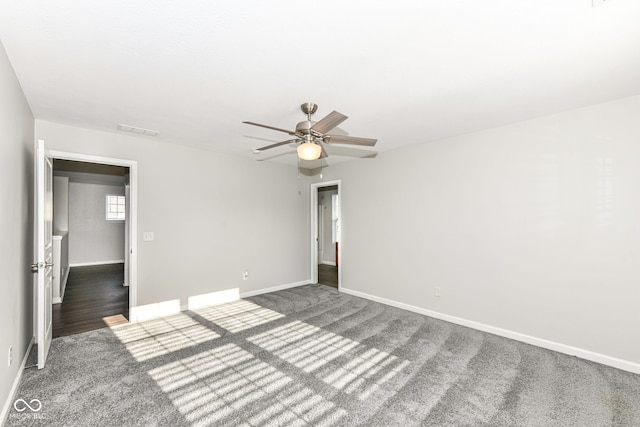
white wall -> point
(532, 227)
(60, 204)
(16, 217)
(93, 239)
(213, 215)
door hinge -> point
(37, 266)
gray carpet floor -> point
(312, 356)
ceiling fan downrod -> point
(309, 108)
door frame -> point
(313, 197)
(133, 213)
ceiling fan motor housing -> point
(304, 127)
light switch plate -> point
(148, 236)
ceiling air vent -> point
(137, 130)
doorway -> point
(101, 278)
(326, 239)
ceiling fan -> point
(312, 135)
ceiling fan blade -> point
(271, 127)
(277, 144)
(329, 122)
(323, 153)
(353, 140)
(346, 151)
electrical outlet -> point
(10, 360)
(437, 292)
(245, 275)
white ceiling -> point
(405, 72)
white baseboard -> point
(274, 289)
(328, 263)
(603, 359)
(63, 287)
(14, 388)
(87, 264)
(168, 308)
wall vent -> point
(597, 3)
(137, 130)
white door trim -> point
(314, 229)
(133, 209)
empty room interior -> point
(330, 214)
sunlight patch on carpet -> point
(226, 383)
(238, 316)
(153, 338)
(317, 351)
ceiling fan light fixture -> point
(310, 135)
(309, 151)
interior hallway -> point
(94, 298)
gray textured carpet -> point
(312, 356)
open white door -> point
(44, 249)
(127, 233)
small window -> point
(115, 208)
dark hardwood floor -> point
(328, 275)
(94, 298)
